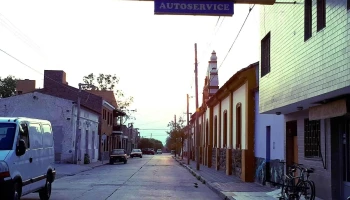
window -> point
(111, 119)
(348, 4)
(225, 129)
(7, 134)
(24, 135)
(265, 55)
(215, 131)
(308, 20)
(36, 136)
(108, 118)
(206, 133)
(47, 136)
(312, 138)
(238, 126)
(321, 14)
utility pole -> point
(188, 134)
(197, 106)
(175, 135)
(77, 129)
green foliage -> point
(109, 82)
(176, 135)
(7, 86)
(150, 143)
(86, 159)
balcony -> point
(117, 130)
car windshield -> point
(117, 151)
(159, 150)
(7, 134)
(136, 150)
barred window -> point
(312, 132)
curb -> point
(204, 181)
(73, 174)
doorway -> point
(340, 151)
(291, 142)
(268, 153)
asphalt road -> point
(150, 177)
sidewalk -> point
(72, 169)
(229, 187)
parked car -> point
(118, 155)
(136, 153)
(159, 151)
(26, 157)
(148, 151)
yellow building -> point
(226, 121)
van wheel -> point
(45, 192)
(16, 191)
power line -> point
(20, 35)
(234, 41)
(67, 86)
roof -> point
(107, 95)
(87, 100)
(14, 119)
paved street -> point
(150, 177)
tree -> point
(176, 134)
(7, 86)
(150, 143)
(109, 82)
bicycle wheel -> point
(288, 192)
(313, 190)
(305, 189)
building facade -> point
(62, 114)
(226, 122)
(305, 76)
(102, 102)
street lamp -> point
(78, 132)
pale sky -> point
(153, 55)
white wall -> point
(89, 142)
(225, 105)
(216, 113)
(239, 96)
(56, 110)
(277, 133)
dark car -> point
(148, 151)
(118, 155)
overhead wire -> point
(64, 85)
(234, 41)
(20, 35)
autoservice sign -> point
(195, 7)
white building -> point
(62, 114)
(305, 76)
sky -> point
(153, 55)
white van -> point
(26, 157)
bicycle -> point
(291, 190)
(304, 183)
(302, 187)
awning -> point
(333, 109)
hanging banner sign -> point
(195, 7)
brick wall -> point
(56, 85)
(304, 69)
(25, 86)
